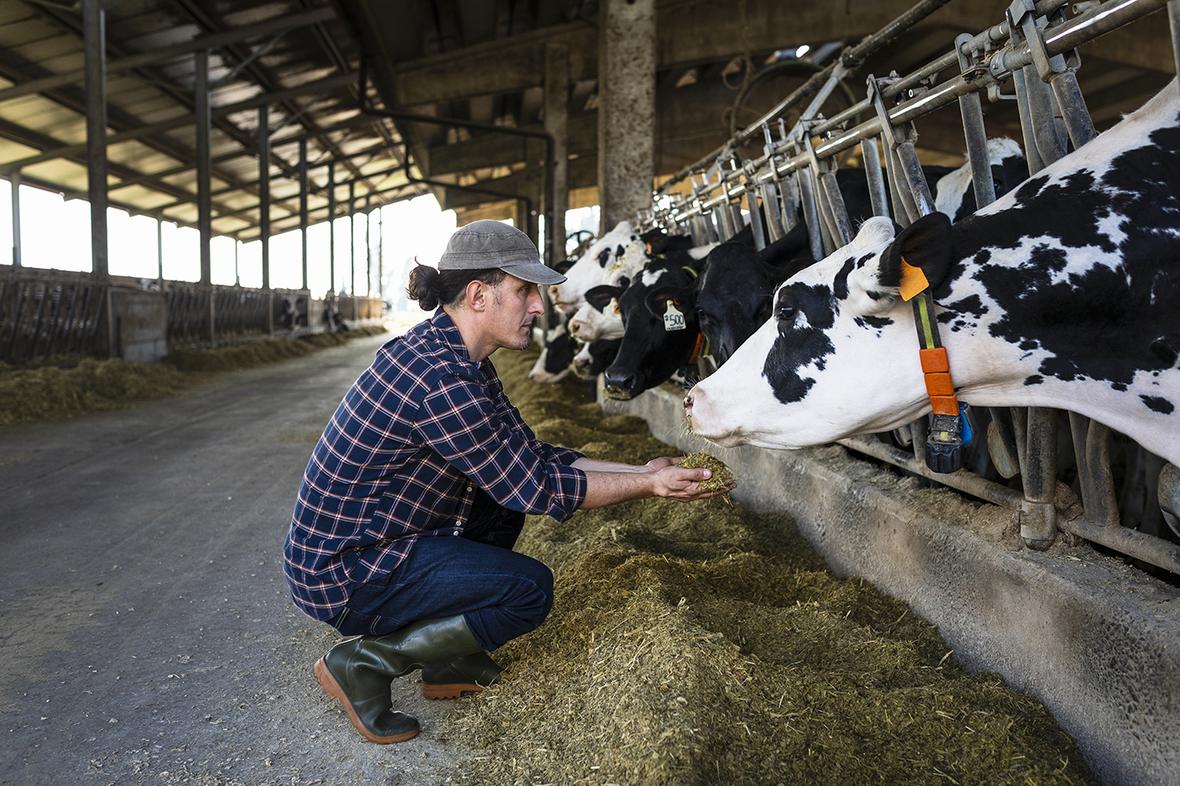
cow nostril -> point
(688, 401)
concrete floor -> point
(145, 625)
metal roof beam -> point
(264, 78)
(279, 24)
(64, 151)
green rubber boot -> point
(357, 672)
(468, 674)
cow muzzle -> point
(700, 415)
(621, 385)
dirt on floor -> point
(702, 644)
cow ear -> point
(927, 244)
(598, 297)
(682, 297)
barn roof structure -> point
(297, 63)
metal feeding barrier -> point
(1034, 48)
(46, 313)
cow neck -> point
(944, 442)
(700, 347)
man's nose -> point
(536, 304)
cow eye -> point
(785, 312)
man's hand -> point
(657, 464)
(684, 484)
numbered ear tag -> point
(673, 319)
(614, 305)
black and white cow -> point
(1063, 293)
(733, 296)
(594, 358)
(553, 364)
(649, 353)
(594, 267)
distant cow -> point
(1063, 293)
(594, 358)
(591, 269)
(554, 362)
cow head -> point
(593, 358)
(805, 375)
(649, 352)
(594, 267)
(734, 294)
(599, 316)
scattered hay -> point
(700, 643)
(721, 476)
(67, 386)
(49, 393)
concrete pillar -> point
(556, 123)
(95, 59)
(626, 108)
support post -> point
(204, 121)
(160, 253)
(332, 229)
(627, 49)
(356, 314)
(237, 266)
(95, 63)
(557, 123)
(14, 181)
(264, 210)
(368, 249)
(303, 205)
(381, 255)
(94, 48)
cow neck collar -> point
(945, 440)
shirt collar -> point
(449, 333)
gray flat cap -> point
(493, 244)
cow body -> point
(553, 364)
(1063, 293)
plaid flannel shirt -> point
(400, 460)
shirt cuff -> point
(572, 487)
(565, 456)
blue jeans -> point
(500, 593)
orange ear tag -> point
(913, 281)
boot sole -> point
(449, 690)
(334, 691)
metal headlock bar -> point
(1034, 47)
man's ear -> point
(598, 297)
(927, 243)
(476, 295)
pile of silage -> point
(68, 386)
(701, 643)
(256, 353)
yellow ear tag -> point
(673, 318)
(913, 281)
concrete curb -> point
(1094, 639)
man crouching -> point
(414, 496)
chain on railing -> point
(794, 180)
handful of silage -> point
(721, 477)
